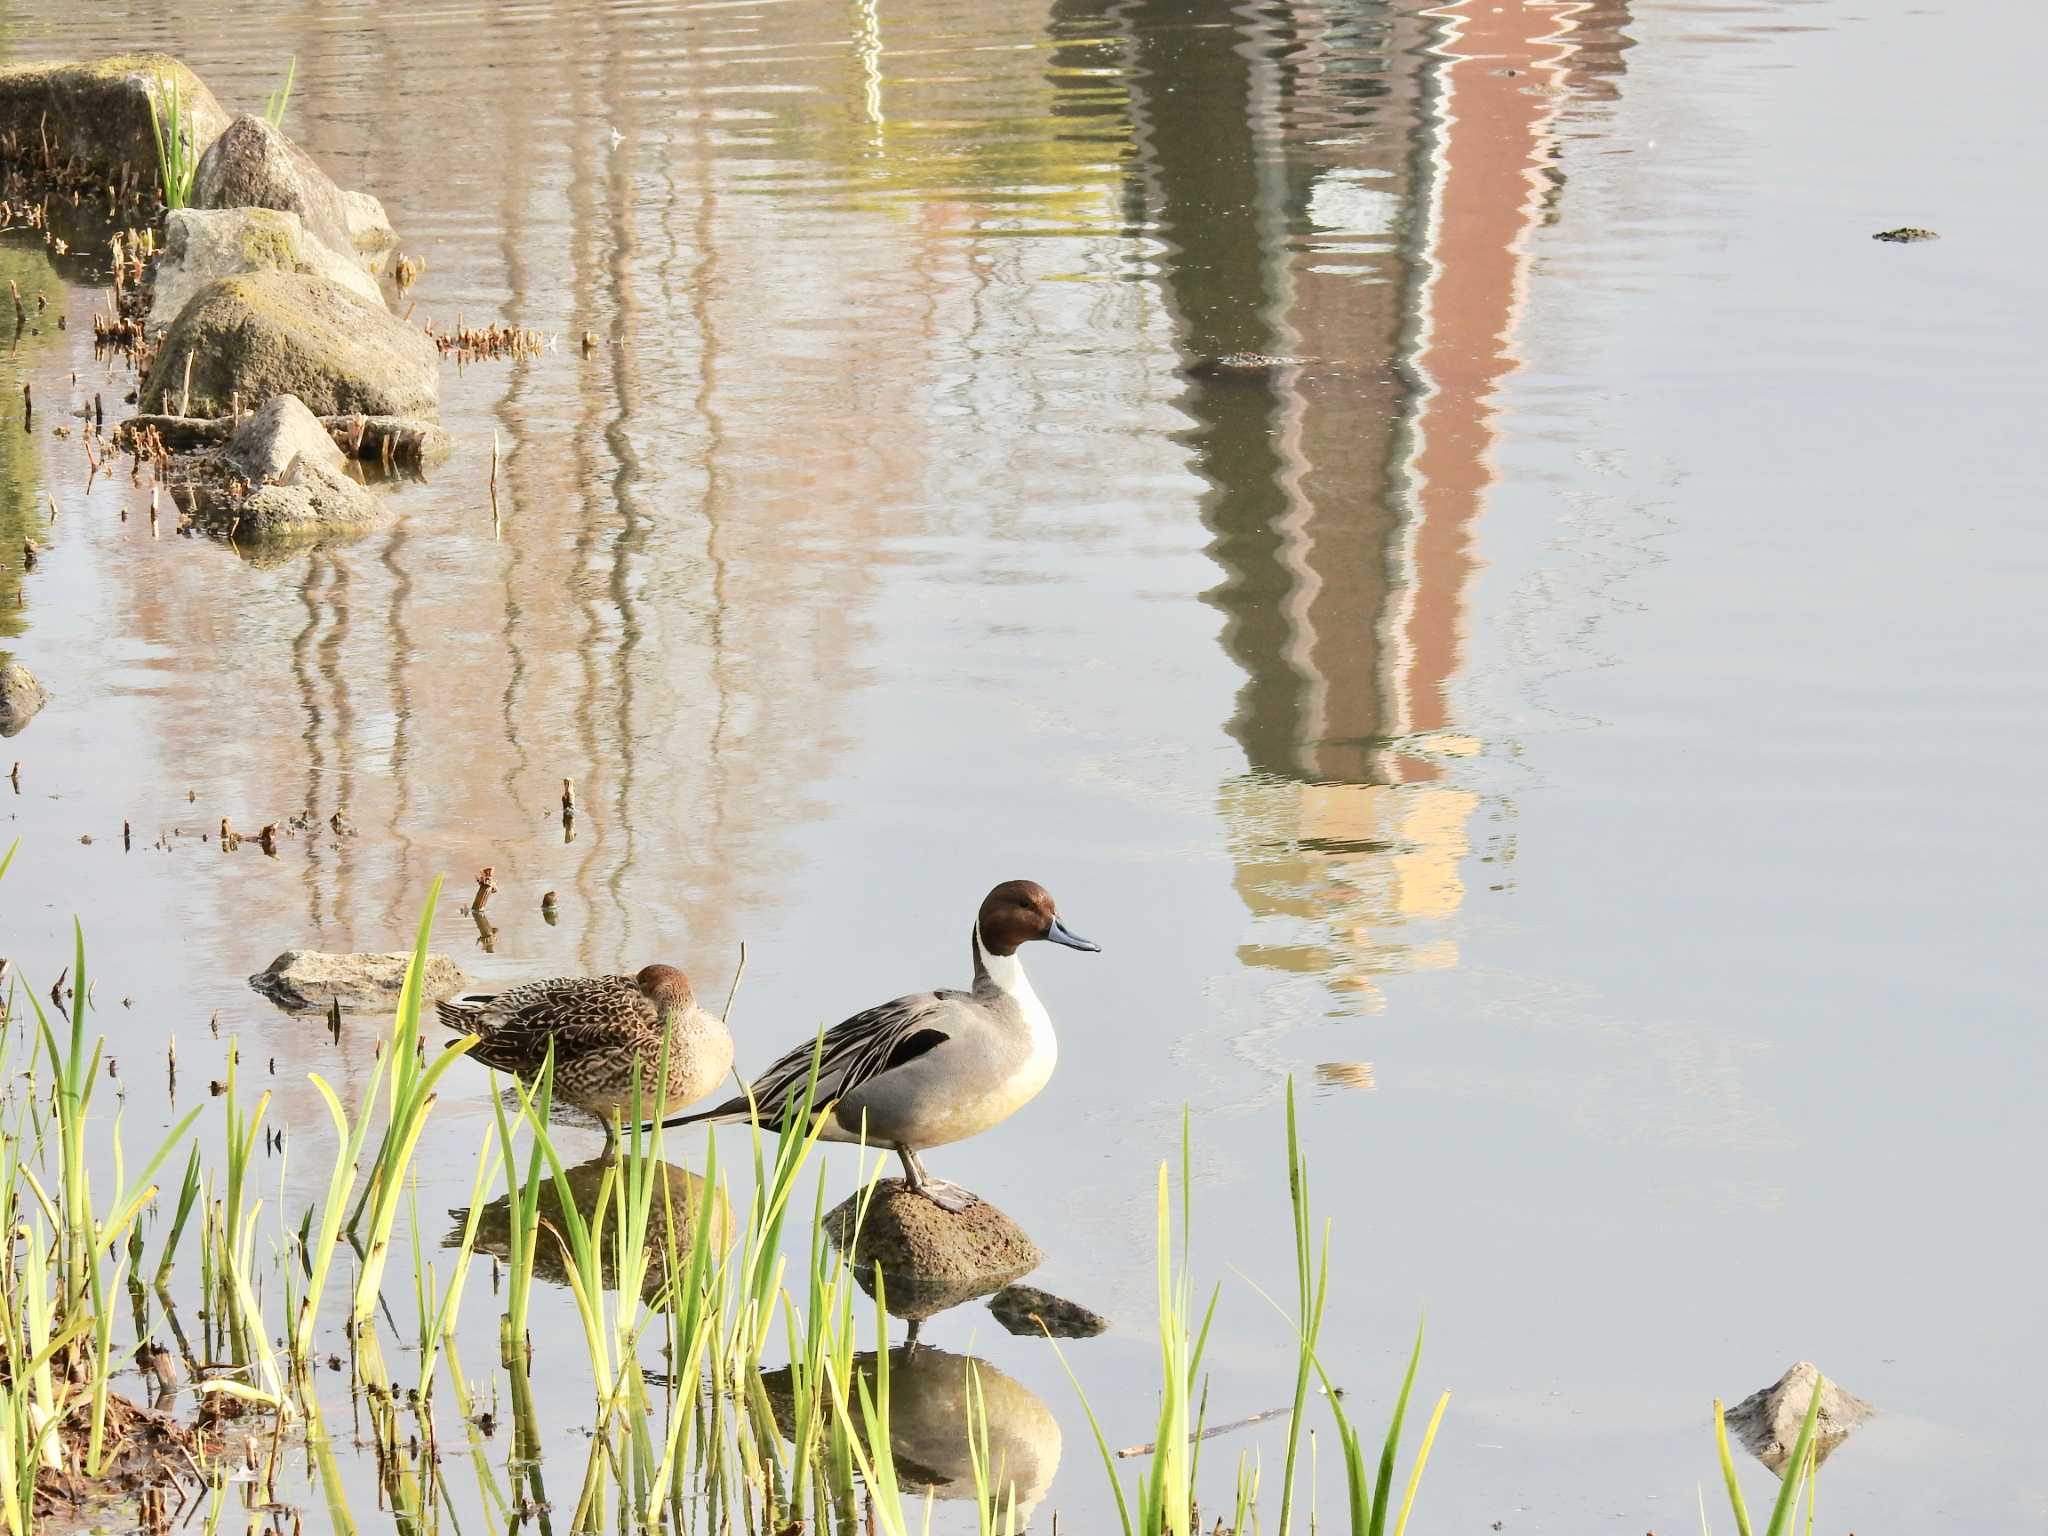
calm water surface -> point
(1597, 688)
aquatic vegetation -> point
(777, 1398)
(274, 105)
(177, 152)
(1802, 1465)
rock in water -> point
(20, 697)
(284, 333)
(930, 1259)
(1021, 1308)
(1905, 234)
(369, 228)
(309, 500)
(201, 244)
(1767, 1422)
(265, 444)
(97, 112)
(308, 978)
(253, 165)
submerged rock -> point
(97, 112)
(202, 244)
(930, 1259)
(1240, 365)
(1021, 1308)
(20, 697)
(1767, 1422)
(253, 165)
(284, 333)
(310, 978)
(265, 445)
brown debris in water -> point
(491, 343)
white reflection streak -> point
(868, 44)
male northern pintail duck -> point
(599, 1027)
(933, 1067)
(936, 1065)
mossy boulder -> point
(204, 244)
(261, 334)
(97, 113)
(253, 165)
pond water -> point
(1576, 721)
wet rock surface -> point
(407, 442)
(20, 697)
(267, 444)
(96, 112)
(1767, 1422)
(274, 333)
(1021, 1308)
(930, 1259)
(311, 979)
(369, 228)
(204, 244)
(1905, 234)
(253, 165)
(308, 501)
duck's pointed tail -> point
(464, 1015)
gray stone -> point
(311, 979)
(97, 113)
(284, 333)
(201, 244)
(1022, 1308)
(369, 229)
(308, 501)
(20, 697)
(930, 1259)
(1767, 1422)
(266, 444)
(253, 165)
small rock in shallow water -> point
(931, 1258)
(20, 697)
(265, 444)
(1768, 1422)
(1020, 1308)
(1905, 234)
(308, 978)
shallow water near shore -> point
(1596, 685)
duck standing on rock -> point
(600, 1027)
(933, 1067)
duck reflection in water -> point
(930, 1402)
(684, 1198)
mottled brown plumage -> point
(599, 1027)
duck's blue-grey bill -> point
(1061, 934)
